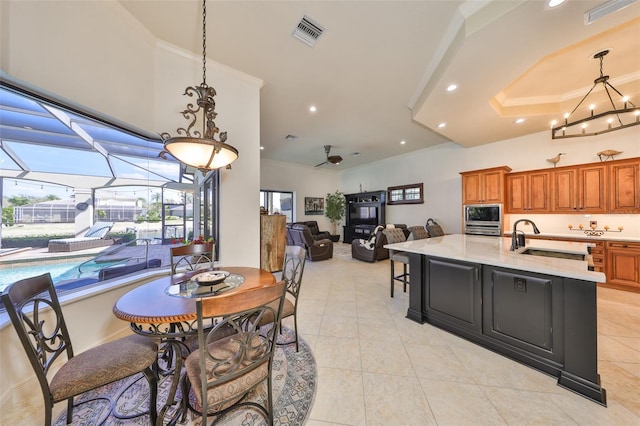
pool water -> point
(60, 272)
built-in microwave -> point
(483, 219)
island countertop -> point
(495, 251)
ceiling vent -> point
(605, 9)
(308, 31)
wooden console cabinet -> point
(273, 241)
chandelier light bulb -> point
(553, 123)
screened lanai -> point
(45, 140)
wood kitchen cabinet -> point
(580, 189)
(624, 193)
(528, 192)
(486, 186)
(623, 265)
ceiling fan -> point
(333, 159)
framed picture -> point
(313, 205)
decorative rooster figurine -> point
(555, 159)
(608, 154)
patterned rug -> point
(294, 384)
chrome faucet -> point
(514, 237)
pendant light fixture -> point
(196, 144)
(616, 118)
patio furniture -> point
(34, 310)
(94, 237)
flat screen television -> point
(363, 215)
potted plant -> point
(334, 209)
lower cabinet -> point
(455, 293)
(623, 264)
(544, 321)
(524, 310)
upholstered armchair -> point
(316, 233)
(371, 249)
(316, 249)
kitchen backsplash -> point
(559, 224)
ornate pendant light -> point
(196, 145)
(597, 123)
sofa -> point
(372, 249)
(300, 235)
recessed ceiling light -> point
(452, 87)
(519, 120)
(262, 147)
(441, 125)
(312, 108)
(402, 142)
(554, 3)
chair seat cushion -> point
(228, 392)
(102, 365)
(400, 257)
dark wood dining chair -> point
(192, 256)
(34, 309)
(236, 355)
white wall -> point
(439, 167)
(96, 55)
(303, 181)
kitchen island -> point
(537, 309)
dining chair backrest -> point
(293, 268)
(236, 354)
(417, 233)
(35, 312)
(192, 256)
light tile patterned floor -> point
(375, 367)
(378, 368)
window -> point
(406, 194)
(277, 202)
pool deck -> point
(156, 251)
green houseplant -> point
(334, 209)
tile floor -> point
(377, 368)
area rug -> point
(294, 385)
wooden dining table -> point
(165, 309)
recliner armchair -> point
(316, 233)
(301, 236)
(372, 249)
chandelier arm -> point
(613, 105)
(582, 100)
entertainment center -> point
(365, 211)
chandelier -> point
(597, 123)
(196, 144)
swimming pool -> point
(60, 272)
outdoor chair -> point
(34, 310)
(227, 366)
(396, 235)
(96, 236)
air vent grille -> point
(308, 31)
(605, 9)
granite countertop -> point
(495, 251)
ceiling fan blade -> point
(321, 164)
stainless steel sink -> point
(550, 253)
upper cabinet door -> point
(624, 193)
(484, 186)
(579, 189)
(528, 192)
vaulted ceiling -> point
(379, 72)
